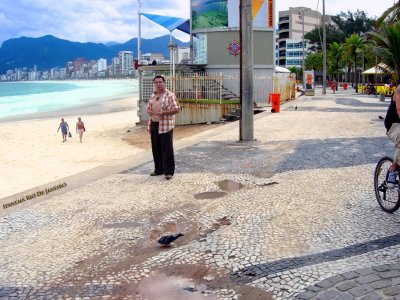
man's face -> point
(159, 84)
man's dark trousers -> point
(163, 150)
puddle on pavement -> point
(230, 185)
(162, 286)
(209, 195)
(167, 227)
(129, 224)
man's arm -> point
(174, 107)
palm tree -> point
(335, 56)
(352, 44)
(314, 61)
(387, 44)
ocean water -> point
(19, 98)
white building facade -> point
(290, 34)
(126, 60)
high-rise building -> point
(116, 67)
(290, 34)
(101, 64)
(183, 55)
(78, 63)
(126, 59)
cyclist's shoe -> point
(391, 179)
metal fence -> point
(219, 86)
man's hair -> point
(159, 76)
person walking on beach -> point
(64, 129)
(162, 108)
(80, 128)
(334, 85)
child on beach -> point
(80, 128)
(64, 129)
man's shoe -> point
(154, 174)
(391, 179)
(168, 177)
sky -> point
(102, 21)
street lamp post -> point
(362, 53)
(301, 17)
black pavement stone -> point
(390, 274)
(305, 295)
(337, 278)
(350, 275)
(396, 266)
(345, 286)
(368, 278)
(344, 296)
(325, 284)
(365, 271)
(381, 284)
(391, 290)
(328, 295)
(291, 263)
(359, 291)
(372, 296)
(382, 268)
(314, 288)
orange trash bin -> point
(275, 99)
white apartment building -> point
(183, 55)
(290, 34)
(101, 65)
(126, 59)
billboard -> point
(218, 14)
(209, 14)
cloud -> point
(85, 21)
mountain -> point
(48, 51)
(156, 45)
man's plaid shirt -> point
(169, 102)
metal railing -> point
(219, 86)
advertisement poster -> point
(214, 14)
(260, 13)
(309, 77)
(209, 14)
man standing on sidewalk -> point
(162, 108)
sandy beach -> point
(32, 152)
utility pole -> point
(191, 37)
(324, 50)
(304, 57)
(139, 50)
(246, 126)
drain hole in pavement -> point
(209, 195)
(123, 225)
(230, 185)
(161, 286)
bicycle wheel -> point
(388, 199)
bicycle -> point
(388, 199)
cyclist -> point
(392, 124)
